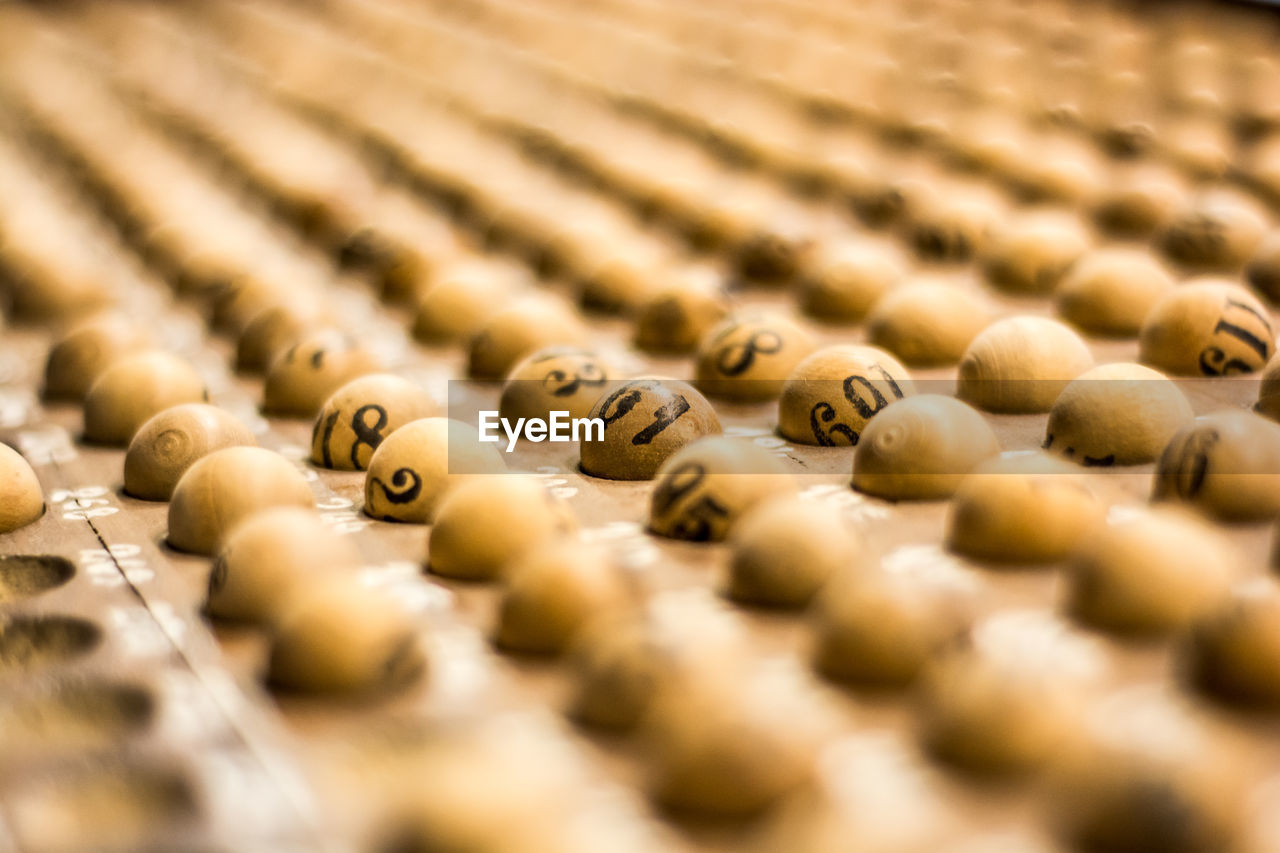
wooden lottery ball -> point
(483, 525)
(1235, 651)
(1226, 464)
(1151, 573)
(21, 499)
(877, 628)
(646, 421)
(1138, 201)
(704, 488)
(268, 558)
(1031, 255)
(272, 331)
(1109, 292)
(229, 485)
(528, 324)
(831, 396)
(360, 414)
(552, 591)
(1215, 232)
(1022, 508)
(458, 305)
(1207, 327)
(842, 282)
(87, 349)
(953, 227)
(920, 448)
(340, 636)
(783, 550)
(1263, 271)
(303, 376)
(676, 317)
(562, 379)
(1116, 414)
(747, 358)
(927, 322)
(168, 444)
(133, 389)
(415, 466)
(238, 300)
(1020, 365)
(1012, 697)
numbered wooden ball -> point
(303, 376)
(1019, 365)
(1234, 653)
(1207, 327)
(784, 549)
(1226, 464)
(135, 388)
(268, 559)
(676, 317)
(1031, 256)
(563, 379)
(168, 444)
(86, 350)
(1109, 292)
(460, 303)
(484, 525)
(360, 414)
(1139, 200)
(704, 488)
(1116, 414)
(227, 486)
(342, 637)
(526, 325)
(553, 591)
(876, 628)
(1215, 232)
(747, 358)
(927, 322)
(1022, 508)
(920, 448)
(415, 466)
(21, 498)
(831, 396)
(646, 421)
(841, 283)
(1013, 696)
(1151, 573)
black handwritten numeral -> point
(562, 383)
(406, 485)
(696, 519)
(1214, 362)
(1193, 462)
(737, 359)
(324, 430)
(368, 435)
(878, 400)
(621, 401)
(664, 417)
(825, 413)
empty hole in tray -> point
(22, 576)
(77, 715)
(28, 643)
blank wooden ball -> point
(1116, 414)
(1023, 508)
(953, 227)
(676, 317)
(169, 443)
(646, 421)
(1019, 365)
(1263, 271)
(1234, 653)
(21, 498)
(1109, 292)
(927, 322)
(342, 637)
(526, 325)
(458, 305)
(272, 331)
(704, 488)
(483, 525)
(564, 379)
(87, 349)
(920, 448)
(1152, 573)
(553, 591)
(840, 284)
(747, 358)
(360, 414)
(1268, 404)
(831, 395)
(229, 485)
(415, 466)
(1030, 256)
(1226, 464)
(782, 551)
(303, 376)
(1139, 200)
(1215, 232)
(133, 389)
(1207, 327)
(269, 558)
